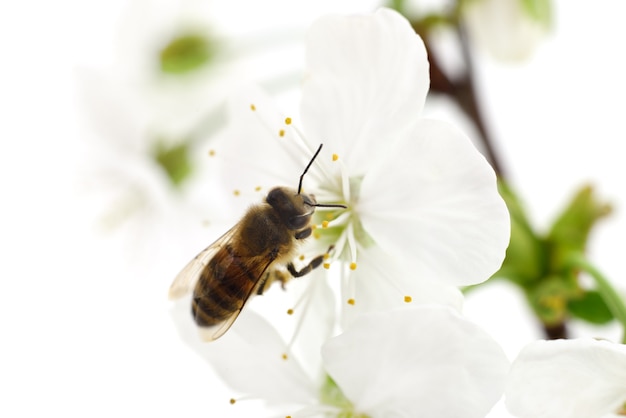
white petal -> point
(422, 362)
(366, 82)
(252, 154)
(582, 378)
(249, 358)
(382, 281)
(434, 203)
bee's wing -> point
(214, 332)
(188, 276)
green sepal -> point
(590, 307)
(539, 10)
(570, 232)
(174, 160)
(549, 298)
(185, 53)
(525, 255)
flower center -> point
(332, 395)
(343, 228)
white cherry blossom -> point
(420, 198)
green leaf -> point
(590, 307)
(186, 53)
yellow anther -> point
(301, 257)
(211, 153)
(289, 311)
(281, 133)
(284, 356)
(252, 107)
(316, 235)
(408, 299)
(232, 401)
(257, 189)
(287, 121)
(313, 226)
(236, 192)
(351, 302)
(324, 224)
(326, 256)
(326, 265)
(335, 157)
(353, 266)
(329, 216)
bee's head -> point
(295, 209)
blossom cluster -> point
(380, 329)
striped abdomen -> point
(225, 284)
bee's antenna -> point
(302, 176)
(308, 166)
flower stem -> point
(612, 299)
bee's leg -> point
(264, 284)
(316, 262)
(266, 281)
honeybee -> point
(248, 258)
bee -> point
(248, 258)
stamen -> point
(326, 265)
(281, 133)
(211, 153)
(232, 401)
(252, 107)
(351, 301)
(408, 299)
(351, 244)
(284, 356)
(257, 188)
(287, 121)
(335, 157)
(338, 221)
(289, 311)
(301, 257)
(345, 181)
(236, 192)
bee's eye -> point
(299, 221)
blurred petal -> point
(249, 358)
(581, 378)
(366, 83)
(422, 362)
(434, 203)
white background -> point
(84, 333)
